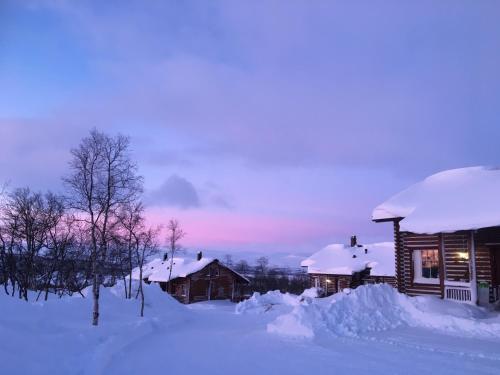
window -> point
(426, 266)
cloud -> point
(176, 191)
(302, 84)
(307, 98)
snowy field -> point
(371, 330)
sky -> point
(273, 126)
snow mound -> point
(155, 299)
(380, 307)
(261, 303)
(310, 293)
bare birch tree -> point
(131, 218)
(174, 235)
(146, 245)
(26, 219)
(58, 239)
(140, 243)
(103, 178)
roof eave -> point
(385, 220)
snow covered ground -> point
(372, 330)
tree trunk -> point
(95, 296)
(142, 298)
(127, 293)
(130, 264)
(130, 285)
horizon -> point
(272, 131)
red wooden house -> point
(202, 279)
(447, 235)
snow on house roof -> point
(457, 199)
(337, 259)
(159, 270)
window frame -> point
(417, 268)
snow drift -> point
(261, 303)
(380, 307)
(274, 301)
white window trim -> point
(417, 270)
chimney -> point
(354, 241)
(199, 255)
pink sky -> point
(257, 129)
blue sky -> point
(266, 125)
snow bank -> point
(310, 293)
(372, 308)
(274, 301)
(457, 199)
(261, 303)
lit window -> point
(426, 266)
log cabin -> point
(447, 235)
(202, 279)
(338, 266)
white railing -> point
(458, 294)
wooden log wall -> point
(485, 240)
(331, 284)
(219, 280)
(483, 264)
(454, 245)
(411, 242)
(338, 282)
(399, 258)
(214, 279)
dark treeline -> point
(94, 233)
(264, 277)
(91, 235)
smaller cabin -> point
(201, 279)
(340, 266)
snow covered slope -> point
(457, 199)
(364, 331)
(339, 259)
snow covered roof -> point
(457, 199)
(337, 259)
(159, 270)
